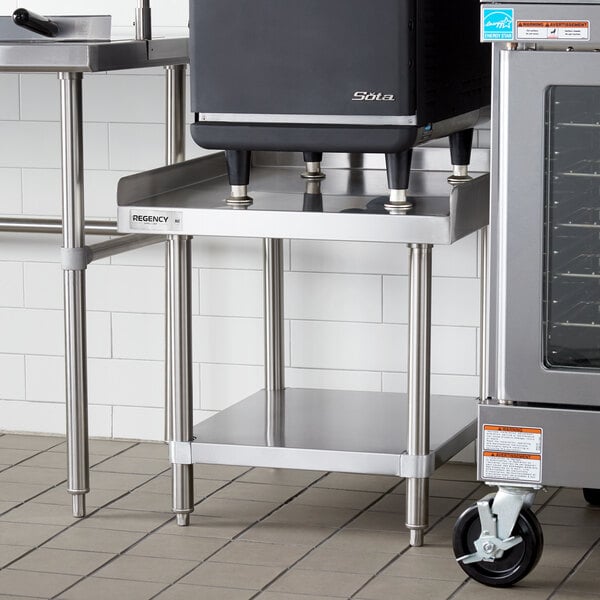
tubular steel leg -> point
(419, 353)
(178, 363)
(274, 339)
(74, 290)
(483, 315)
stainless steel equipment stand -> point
(328, 430)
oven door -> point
(545, 282)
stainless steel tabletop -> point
(188, 198)
(89, 57)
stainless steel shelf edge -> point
(331, 430)
(84, 57)
(188, 199)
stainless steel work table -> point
(70, 60)
(407, 435)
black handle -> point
(34, 22)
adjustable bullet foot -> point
(313, 166)
(460, 174)
(239, 197)
(78, 505)
(417, 537)
(183, 519)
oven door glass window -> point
(572, 240)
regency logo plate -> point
(156, 220)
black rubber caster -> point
(515, 564)
(592, 496)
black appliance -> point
(320, 76)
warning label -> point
(512, 439)
(553, 30)
(512, 453)
(505, 466)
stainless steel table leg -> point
(274, 339)
(74, 290)
(178, 360)
(419, 354)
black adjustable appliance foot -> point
(398, 175)
(238, 169)
(461, 144)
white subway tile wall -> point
(345, 303)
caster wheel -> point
(592, 496)
(515, 564)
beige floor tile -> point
(443, 488)
(94, 499)
(258, 491)
(386, 588)
(163, 484)
(30, 442)
(45, 514)
(282, 477)
(98, 588)
(583, 582)
(191, 592)
(317, 516)
(6, 506)
(564, 515)
(425, 567)
(26, 534)
(476, 591)
(124, 482)
(3, 597)
(569, 497)
(345, 560)
(231, 509)
(158, 450)
(145, 568)
(10, 553)
(20, 474)
(11, 456)
(125, 520)
(380, 521)
(286, 533)
(397, 504)
(218, 472)
(55, 460)
(315, 496)
(574, 596)
(284, 596)
(43, 585)
(131, 464)
(256, 553)
(87, 539)
(561, 556)
(438, 549)
(68, 562)
(181, 547)
(98, 446)
(138, 500)
(361, 483)
(457, 472)
(390, 542)
(246, 577)
(319, 583)
(561, 535)
(211, 527)
(20, 492)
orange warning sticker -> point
(512, 453)
(553, 30)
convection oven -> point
(538, 425)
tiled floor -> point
(256, 533)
